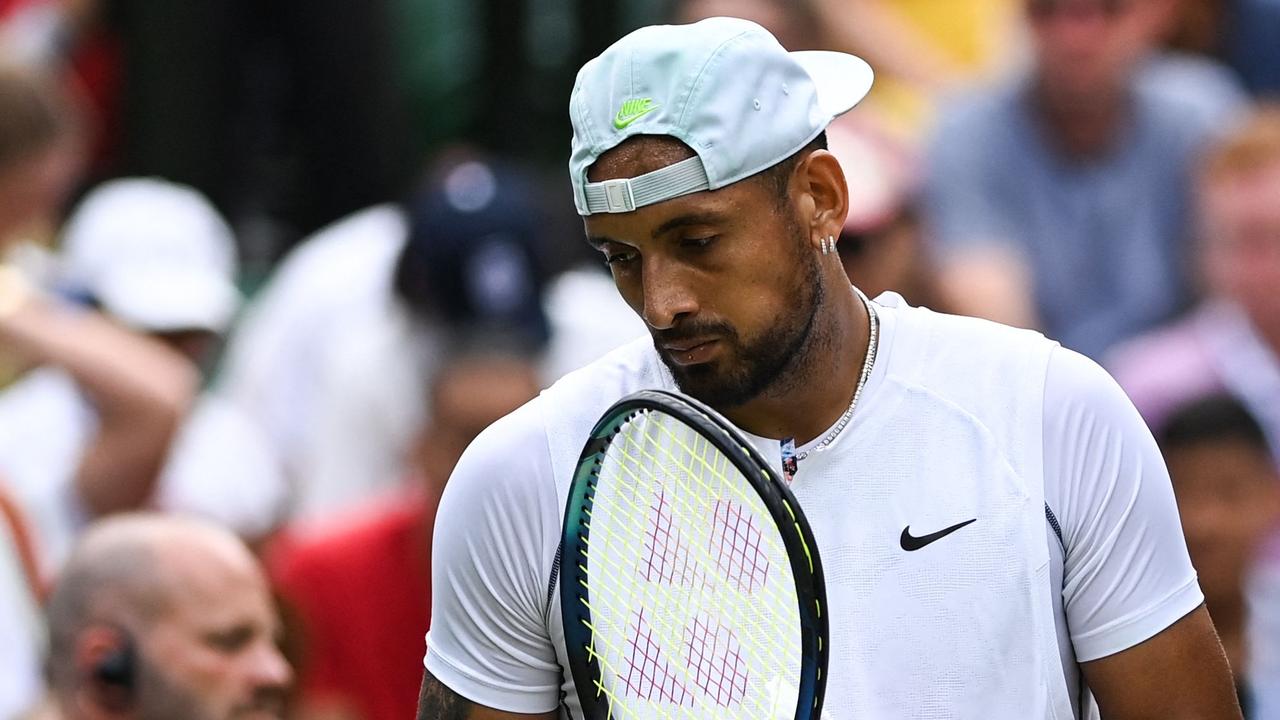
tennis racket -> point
(691, 585)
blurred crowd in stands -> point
(267, 268)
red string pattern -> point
(649, 675)
(666, 559)
(716, 661)
(735, 544)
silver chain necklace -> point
(870, 359)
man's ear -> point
(104, 660)
(821, 178)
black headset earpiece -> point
(114, 675)
(117, 667)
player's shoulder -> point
(941, 341)
(1078, 389)
(984, 369)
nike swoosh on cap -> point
(633, 110)
(911, 543)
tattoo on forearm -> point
(437, 702)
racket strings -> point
(727, 627)
(612, 610)
(724, 473)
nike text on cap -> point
(723, 86)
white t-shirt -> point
(338, 415)
(221, 468)
(45, 426)
(959, 419)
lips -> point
(691, 352)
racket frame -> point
(797, 537)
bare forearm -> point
(437, 702)
(139, 388)
(116, 367)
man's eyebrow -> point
(679, 221)
(598, 241)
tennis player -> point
(996, 524)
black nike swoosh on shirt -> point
(911, 543)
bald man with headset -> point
(158, 617)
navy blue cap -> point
(473, 259)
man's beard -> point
(772, 362)
(159, 697)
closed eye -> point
(620, 258)
(698, 242)
(230, 640)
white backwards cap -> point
(723, 86)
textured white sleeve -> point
(1127, 575)
(495, 539)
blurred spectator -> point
(1241, 33)
(139, 389)
(39, 152)
(161, 617)
(160, 259)
(359, 589)
(334, 355)
(1058, 201)
(1231, 342)
(63, 39)
(39, 161)
(882, 244)
(157, 258)
(87, 432)
(918, 48)
(922, 48)
(588, 318)
(795, 23)
(155, 255)
(275, 361)
(1228, 494)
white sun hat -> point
(723, 86)
(156, 255)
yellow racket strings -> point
(683, 627)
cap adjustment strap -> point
(626, 194)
